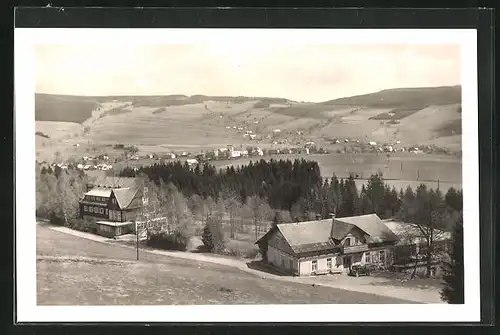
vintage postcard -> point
(210, 175)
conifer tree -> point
(206, 237)
(453, 268)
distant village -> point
(104, 162)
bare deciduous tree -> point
(427, 213)
(259, 212)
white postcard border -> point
(25, 66)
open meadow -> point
(75, 271)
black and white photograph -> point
(247, 175)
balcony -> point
(355, 248)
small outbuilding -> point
(112, 228)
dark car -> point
(360, 270)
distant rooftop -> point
(99, 192)
(113, 182)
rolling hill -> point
(64, 108)
(180, 122)
(403, 98)
(67, 108)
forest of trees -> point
(58, 192)
(265, 193)
(296, 191)
(251, 198)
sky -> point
(302, 72)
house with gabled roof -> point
(114, 209)
(328, 246)
(107, 182)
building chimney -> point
(332, 215)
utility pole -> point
(144, 216)
(137, 238)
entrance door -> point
(347, 260)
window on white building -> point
(347, 242)
(382, 255)
(85, 209)
(329, 263)
(91, 209)
(314, 265)
(96, 210)
(368, 258)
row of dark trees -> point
(298, 188)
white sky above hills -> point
(302, 72)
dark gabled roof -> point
(307, 232)
(124, 196)
(314, 236)
(371, 224)
(340, 229)
(306, 237)
(113, 182)
(314, 247)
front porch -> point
(112, 229)
(379, 256)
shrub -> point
(252, 253)
(262, 247)
(261, 104)
(206, 238)
(168, 241)
(159, 110)
(87, 225)
(238, 250)
(39, 133)
(55, 219)
(213, 237)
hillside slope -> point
(64, 108)
(67, 108)
(178, 122)
(403, 98)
